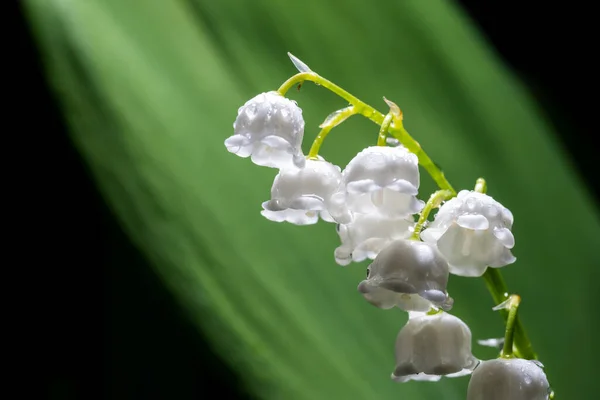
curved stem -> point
(396, 129)
(434, 202)
(493, 278)
(499, 291)
(330, 123)
(513, 307)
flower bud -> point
(384, 179)
(431, 346)
(508, 379)
(472, 231)
(299, 196)
(368, 234)
(409, 274)
(269, 128)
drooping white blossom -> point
(368, 234)
(508, 379)
(431, 346)
(384, 179)
(472, 231)
(301, 195)
(409, 274)
(269, 128)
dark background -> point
(112, 329)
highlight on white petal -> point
(496, 343)
(269, 128)
(433, 345)
(472, 231)
(416, 377)
(302, 195)
(402, 272)
(299, 64)
(362, 186)
(296, 217)
(475, 222)
(508, 378)
(367, 234)
(389, 174)
(505, 236)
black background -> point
(106, 326)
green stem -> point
(362, 108)
(385, 125)
(434, 202)
(499, 291)
(513, 307)
(492, 276)
(327, 126)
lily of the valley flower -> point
(409, 274)
(269, 128)
(301, 195)
(472, 231)
(368, 234)
(508, 379)
(385, 179)
(431, 346)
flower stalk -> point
(493, 278)
(373, 202)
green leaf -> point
(150, 90)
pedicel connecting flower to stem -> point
(373, 202)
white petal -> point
(378, 297)
(403, 186)
(296, 217)
(432, 235)
(506, 258)
(343, 255)
(505, 236)
(455, 246)
(307, 202)
(266, 156)
(476, 222)
(362, 186)
(239, 145)
(416, 377)
(325, 216)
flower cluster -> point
(374, 203)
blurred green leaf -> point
(150, 89)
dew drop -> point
(492, 211)
(471, 204)
(251, 111)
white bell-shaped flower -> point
(385, 179)
(472, 231)
(508, 379)
(431, 346)
(368, 234)
(301, 195)
(269, 128)
(409, 274)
